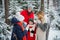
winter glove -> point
(32, 31)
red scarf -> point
(21, 25)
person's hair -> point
(31, 20)
(40, 13)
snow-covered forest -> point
(51, 10)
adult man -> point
(28, 13)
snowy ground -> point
(54, 34)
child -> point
(19, 32)
(31, 30)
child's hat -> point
(19, 16)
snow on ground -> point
(54, 34)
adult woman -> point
(42, 27)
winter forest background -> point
(51, 8)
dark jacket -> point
(17, 33)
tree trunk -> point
(6, 11)
(42, 5)
(47, 32)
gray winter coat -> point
(41, 31)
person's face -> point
(30, 22)
(29, 9)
